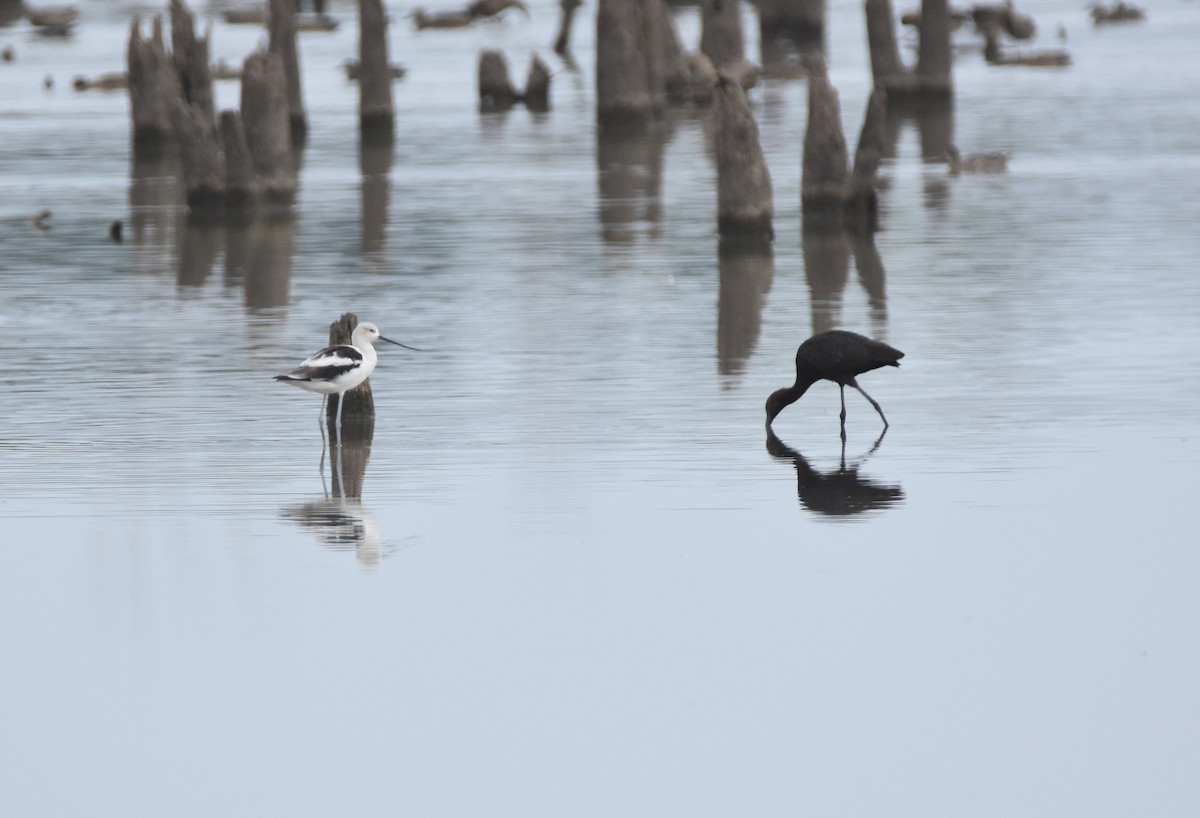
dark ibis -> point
(839, 356)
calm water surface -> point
(578, 581)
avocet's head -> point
(366, 332)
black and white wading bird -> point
(337, 369)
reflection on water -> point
(376, 151)
(934, 119)
(826, 267)
(839, 493)
(259, 253)
(258, 250)
(339, 519)
(629, 166)
(341, 524)
(745, 271)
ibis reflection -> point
(841, 492)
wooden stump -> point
(721, 32)
(241, 191)
(832, 196)
(537, 86)
(824, 175)
(638, 58)
(932, 78)
(268, 129)
(358, 402)
(190, 57)
(375, 108)
(800, 21)
(562, 41)
(862, 207)
(496, 92)
(153, 86)
(281, 24)
(744, 202)
(200, 156)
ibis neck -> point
(783, 398)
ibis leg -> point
(842, 392)
(873, 402)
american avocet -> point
(337, 369)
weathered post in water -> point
(744, 202)
(562, 40)
(537, 86)
(190, 57)
(200, 157)
(153, 85)
(800, 21)
(241, 191)
(832, 195)
(932, 77)
(496, 92)
(358, 402)
(268, 128)
(376, 113)
(862, 205)
(721, 32)
(638, 60)
(281, 24)
(824, 174)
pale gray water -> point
(582, 584)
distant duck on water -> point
(839, 356)
(975, 162)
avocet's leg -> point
(878, 408)
(321, 426)
(338, 424)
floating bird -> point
(441, 19)
(52, 21)
(115, 81)
(838, 356)
(1118, 12)
(354, 70)
(337, 369)
(975, 162)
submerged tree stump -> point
(831, 194)
(562, 40)
(153, 85)
(496, 91)
(190, 57)
(825, 171)
(281, 24)
(200, 157)
(376, 112)
(358, 402)
(638, 60)
(537, 86)
(241, 191)
(744, 202)
(801, 21)
(932, 77)
(268, 129)
(721, 36)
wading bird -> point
(337, 369)
(838, 356)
